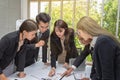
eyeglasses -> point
(77, 33)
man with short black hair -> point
(43, 21)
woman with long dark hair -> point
(62, 45)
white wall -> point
(10, 11)
(24, 12)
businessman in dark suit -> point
(41, 40)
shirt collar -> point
(93, 42)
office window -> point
(33, 9)
(69, 10)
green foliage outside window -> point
(110, 14)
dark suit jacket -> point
(106, 57)
(45, 37)
(32, 53)
(8, 49)
(56, 48)
(82, 56)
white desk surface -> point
(39, 70)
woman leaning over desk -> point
(62, 45)
(106, 50)
(15, 43)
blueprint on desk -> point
(39, 71)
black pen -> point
(62, 77)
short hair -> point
(43, 17)
(28, 25)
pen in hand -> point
(62, 77)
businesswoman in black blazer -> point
(62, 45)
(106, 50)
(15, 43)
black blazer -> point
(8, 49)
(32, 55)
(45, 37)
(31, 52)
(106, 58)
(82, 56)
(56, 48)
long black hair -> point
(62, 24)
